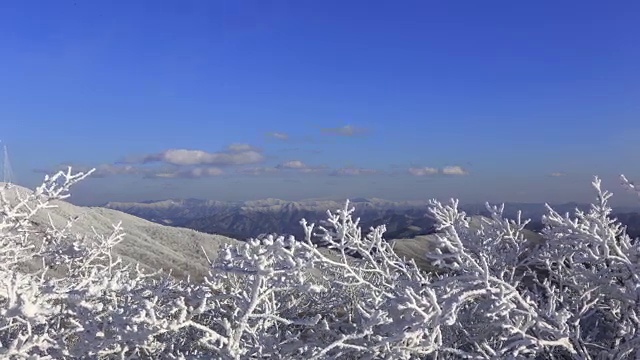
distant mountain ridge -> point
(245, 219)
(272, 203)
(155, 246)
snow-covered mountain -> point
(241, 220)
(171, 211)
(247, 219)
(180, 211)
(152, 245)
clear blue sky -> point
(482, 100)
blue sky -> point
(490, 100)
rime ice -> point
(334, 294)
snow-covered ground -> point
(152, 245)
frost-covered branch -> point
(338, 293)
(630, 185)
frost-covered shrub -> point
(494, 295)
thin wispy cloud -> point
(61, 167)
(353, 171)
(105, 170)
(346, 130)
(294, 164)
(316, 169)
(453, 170)
(191, 173)
(101, 171)
(557, 174)
(239, 147)
(108, 170)
(255, 171)
(300, 150)
(299, 166)
(278, 135)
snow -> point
(153, 245)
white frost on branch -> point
(336, 294)
(630, 185)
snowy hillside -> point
(152, 245)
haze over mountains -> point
(247, 219)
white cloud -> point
(346, 130)
(294, 164)
(236, 154)
(557, 174)
(454, 170)
(423, 171)
(258, 170)
(185, 163)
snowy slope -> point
(416, 248)
(152, 245)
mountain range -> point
(246, 219)
(182, 250)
